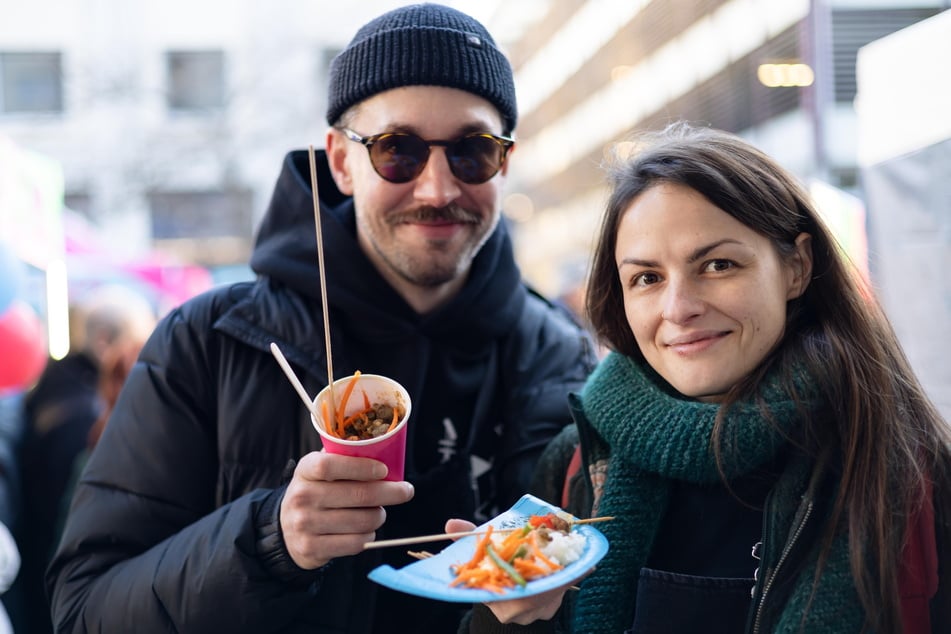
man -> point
(188, 516)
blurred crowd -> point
(47, 429)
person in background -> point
(9, 567)
(59, 411)
(771, 461)
(207, 504)
(114, 368)
(12, 425)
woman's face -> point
(705, 295)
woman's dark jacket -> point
(174, 525)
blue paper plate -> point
(430, 577)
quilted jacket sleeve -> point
(145, 549)
(553, 360)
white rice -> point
(564, 548)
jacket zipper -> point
(782, 558)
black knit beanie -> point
(422, 45)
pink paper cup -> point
(390, 448)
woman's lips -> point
(696, 342)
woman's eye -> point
(645, 279)
(719, 265)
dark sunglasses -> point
(399, 157)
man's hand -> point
(334, 504)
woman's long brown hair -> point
(888, 438)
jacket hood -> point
(286, 251)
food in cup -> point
(356, 395)
(372, 421)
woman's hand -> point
(520, 611)
(459, 526)
(539, 607)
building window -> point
(327, 56)
(196, 80)
(31, 82)
(854, 28)
(78, 201)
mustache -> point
(450, 213)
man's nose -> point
(436, 185)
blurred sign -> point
(31, 203)
(91, 261)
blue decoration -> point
(11, 273)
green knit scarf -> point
(654, 436)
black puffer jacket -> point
(174, 524)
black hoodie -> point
(174, 526)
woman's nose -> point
(682, 302)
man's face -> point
(421, 235)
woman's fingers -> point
(459, 526)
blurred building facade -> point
(170, 118)
(591, 73)
(873, 147)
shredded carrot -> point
(501, 564)
(510, 545)
(343, 404)
(533, 543)
(326, 415)
(479, 552)
(396, 419)
(529, 569)
(356, 416)
(337, 423)
(483, 579)
(341, 430)
(473, 575)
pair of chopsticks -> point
(422, 539)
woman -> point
(756, 400)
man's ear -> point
(508, 157)
(336, 148)
(800, 267)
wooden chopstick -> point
(405, 541)
(323, 276)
